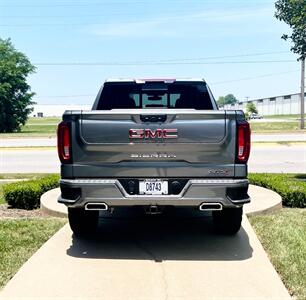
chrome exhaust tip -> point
(96, 206)
(210, 206)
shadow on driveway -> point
(187, 236)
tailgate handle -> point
(153, 118)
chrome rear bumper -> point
(227, 192)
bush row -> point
(26, 194)
(292, 188)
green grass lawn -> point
(36, 127)
(283, 235)
(19, 239)
(294, 117)
(44, 121)
(274, 127)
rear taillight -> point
(243, 142)
(64, 142)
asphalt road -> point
(50, 142)
(295, 137)
(28, 142)
(278, 159)
(271, 159)
(29, 161)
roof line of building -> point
(257, 99)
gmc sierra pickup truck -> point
(154, 144)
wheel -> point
(83, 222)
(228, 220)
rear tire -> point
(228, 220)
(83, 222)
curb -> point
(263, 201)
(50, 206)
(268, 210)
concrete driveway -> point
(179, 257)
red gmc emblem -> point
(169, 133)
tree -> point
(293, 13)
(15, 93)
(221, 101)
(228, 99)
(251, 108)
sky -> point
(235, 45)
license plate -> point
(153, 187)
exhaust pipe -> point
(210, 206)
(96, 206)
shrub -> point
(26, 194)
(49, 182)
(292, 188)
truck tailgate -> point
(204, 146)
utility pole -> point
(302, 92)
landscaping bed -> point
(20, 194)
(26, 194)
(7, 212)
(291, 187)
(17, 177)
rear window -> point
(155, 95)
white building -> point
(279, 105)
(56, 110)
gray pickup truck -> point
(154, 143)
